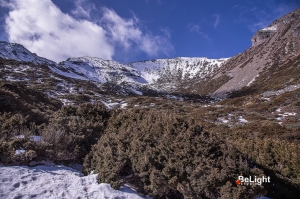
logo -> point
(252, 180)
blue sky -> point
(133, 30)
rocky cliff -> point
(272, 46)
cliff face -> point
(271, 46)
(263, 35)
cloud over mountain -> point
(43, 28)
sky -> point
(135, 30)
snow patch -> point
(33, 138)
(252, 80)
(20, 151)
(124, 105)
(242, 120)
(56, 182)
(222, 120)
(110, 104)
(281, 91)
(283, 115)
(271, 28)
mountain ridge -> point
(135, 76)
(276, 44)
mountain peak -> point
(20, 53)
(283, 25)
(271, 46)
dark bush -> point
(159, 153)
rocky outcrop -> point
(263, 35)
(272, 46)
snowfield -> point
(56, 182)
(140, 73)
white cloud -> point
(167, 32)
(5, 4)
(196, 28)
(256, 18)
(83, 8)
(129, 34)
(217, 20)
(43, 28)
(261, 20)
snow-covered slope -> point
(150, 74)
(143, 72)
(185, 67)
(160, 75)
(99, 70)
(56, 182)
(19, 53)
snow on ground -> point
(228, 120)
(271, 28)
(242, 120)
(191, 65)
(222, 120)
(136, 91)
(56, 182)
(110, 104)
(124, 105)
(285, 114)
(66, 102)
(252, 80)
(281, 116)
(67, 74)
(20, 151)
(34, 138)
(281, 91)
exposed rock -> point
(272, 46)
(263, 35)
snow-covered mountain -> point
(185, 67)
(158, 75)
(20, 53)
(99, 70)
(148, 74)
(95, 79)
(151, 76)
(277, 44)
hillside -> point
(274, 49)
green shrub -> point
(158, 152)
